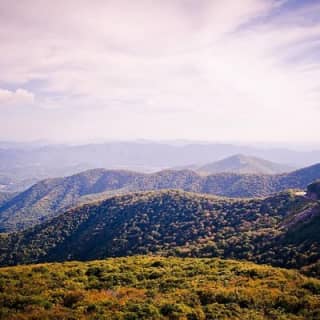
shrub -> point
(72, 298)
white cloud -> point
(226, 68)
(18, 97)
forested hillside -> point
(154, 288)
(50, 197)
(281, 230)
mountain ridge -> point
(23, 165)
(50, 197)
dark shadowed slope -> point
(178, 223)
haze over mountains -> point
(240, 163)
(21, 165)
(100, 213)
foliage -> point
(281, 230)
(184, 289)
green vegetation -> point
(157, 288)
(51, 197)
(281, 230)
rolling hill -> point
(50, 197)
(244, 164)
(157, 288)
(281, 230)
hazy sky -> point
(245, 70)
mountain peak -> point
(241, 163)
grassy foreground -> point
(144, 287)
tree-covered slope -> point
(154, 288)
(50, 197)
(175, 223)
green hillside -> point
(48, 197)
(51, 197)
(157, 288)
(281, 230)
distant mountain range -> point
(21, 165)
(241, 164)
(50, 197)
(282, 230)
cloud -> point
(18, 97)
(227, 69)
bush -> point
(72, 298)
(142, 311)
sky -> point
(208, 70)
